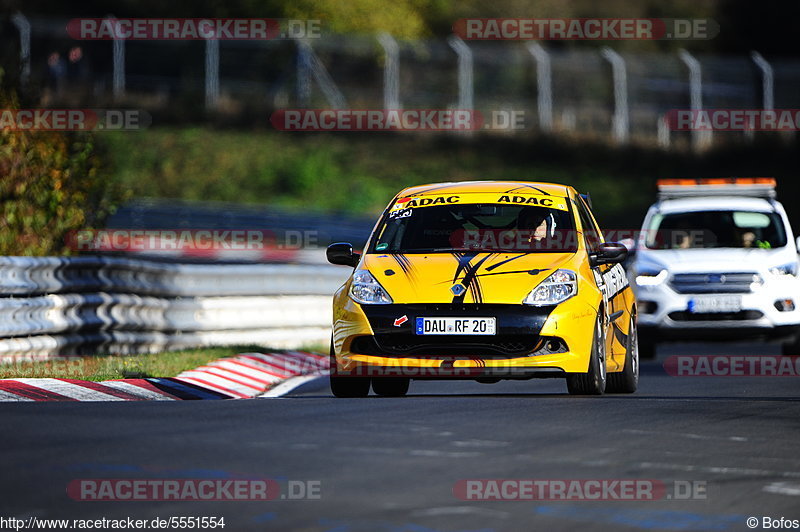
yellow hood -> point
(486, 277)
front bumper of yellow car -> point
(530, 341)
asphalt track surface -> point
(390, 464)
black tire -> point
(627, 380)
(344, 385)
(593, 382)
(390, 386)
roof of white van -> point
(719, 203)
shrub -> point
(50, 183)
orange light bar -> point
(717, 181)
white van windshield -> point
(716, 229)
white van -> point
(716, 259)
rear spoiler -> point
(753, 187)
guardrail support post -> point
(621, 122)
(544, 84)
(391, 71)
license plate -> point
(455, 326)
(715, 304)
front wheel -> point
(346, 386)
(593, 382)
(627, 380)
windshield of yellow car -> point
(487, 227)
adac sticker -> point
(530, 199)
(424, 201)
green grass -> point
(107, 367)
(359, 173)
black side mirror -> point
(631, 244)
(609, 253)
(342, 253)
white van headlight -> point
(557, 288)
(647, 277)
(785, 269)
(367, 290)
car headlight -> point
(558, 287)
(785, 269)
(367, 290)
(651, 277)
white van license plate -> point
(456, 326)
(698, 305)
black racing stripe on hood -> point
(403, 262)
(533, 271)
(528, 186)
(442, 187)
(497, 265)
(470, 279)
(473, 289)
(463, 262)
(476, 290)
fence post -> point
(391, 71)
(308, 64)
(212, 73)
(767, 81)
(465, 89)
(767, 85)
(700, 139)
(544, 84)
(621, 122)
(24, 27)
(663, 132)
(118, 71)
(303, 76)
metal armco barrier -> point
(59, 306)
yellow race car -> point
(484, 280)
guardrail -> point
(63, 306)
